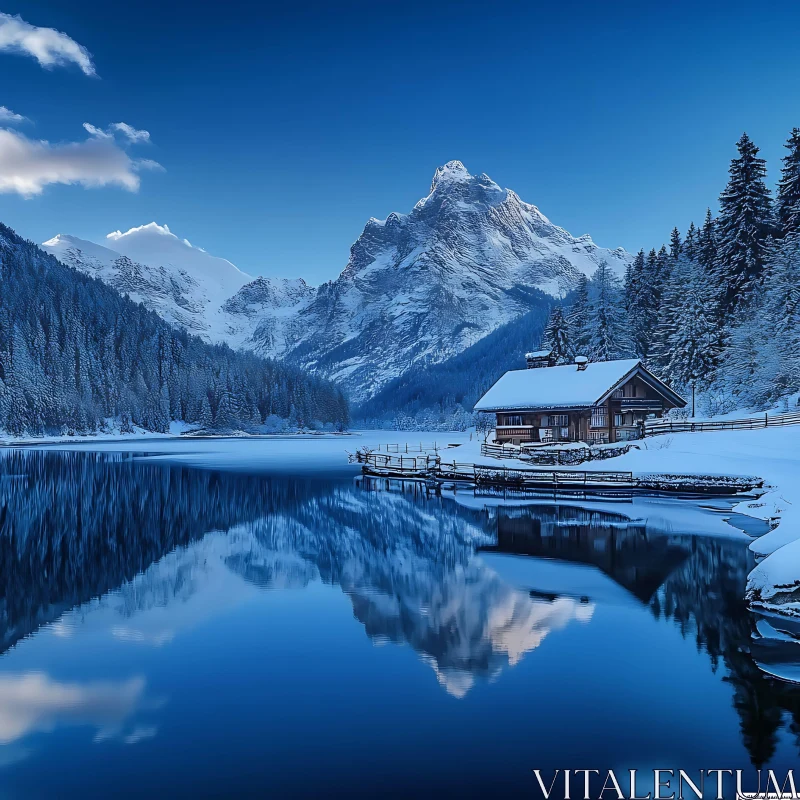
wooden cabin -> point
(604, 401)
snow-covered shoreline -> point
(770, 453)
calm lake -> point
(226, 622)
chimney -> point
(540, 358)
(581, 362)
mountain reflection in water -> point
(140, 550)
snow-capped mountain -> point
(184, 284)
(421, 287)
(418, 288)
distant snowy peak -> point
(188, 287)
(155, 245)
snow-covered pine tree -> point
(707, 243)
(556, 336)
(607, 325)
(578, 318)
(639, 304)
(788, 199)
(661, 312)
(690, 354)
(778, 371)
(741, 369)
(690, 242)
(675, 244)
(745, 221)
(663, 269)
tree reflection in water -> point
(104, 532)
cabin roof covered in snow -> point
(567, 386)
(539, 354)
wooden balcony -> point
(638, 404)
(517, 431)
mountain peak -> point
(151, 231)
(157, 246)
(451, 172)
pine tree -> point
(638, 305)
(556, 336)
(663, 269)
(788, 200)
(691, 338)
(778, 325)
(578, 319)
(707, 243)
(608, 331)
(690, 242)
(745, 221)
(675, 245)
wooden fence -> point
(688, 426)
(421, 447)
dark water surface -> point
(176, 631)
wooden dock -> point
(432, 469)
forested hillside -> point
(74, 353)
(442, 395)
(719, 307)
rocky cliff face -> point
(418, 288)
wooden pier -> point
(433, 470)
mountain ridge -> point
(418, 288)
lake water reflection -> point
(174, 631)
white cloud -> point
(99, 133)
(28, 165)
(8, 117)
(128, 131)
(48, 46)
(131, 133)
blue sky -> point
(282, 128)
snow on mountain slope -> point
(423, 286)
(185, 285)
(156, 246)
(418, 289)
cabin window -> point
(599, 417)
(513, 419)
(618, 393)
(565, 433)
(618, 421)
(559, 420)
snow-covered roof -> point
(539, 354)
(563, 387)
